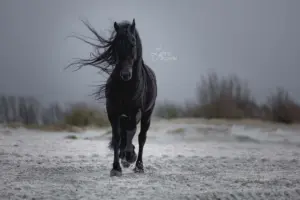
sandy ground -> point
(183, 159)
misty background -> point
(257, 40)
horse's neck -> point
(139, 70)
(139, 81)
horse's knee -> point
(129, 136)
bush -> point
(230, 98)
(226, 97)
(168, 110)
(192, 110)
(282, 108)
(83, 116)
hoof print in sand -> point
(138, 170)
(125, 164)
(116, 173)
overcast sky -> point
(255, 39)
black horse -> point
(130, 91)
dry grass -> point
(230, 122)
(83, 116)
(47, 128)
(76, 119)
(72, 137)
(178, 130)
(168, 110)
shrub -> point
(83, 116)
(168, 110)
(230, 97)
(226, 97)
(282, 108)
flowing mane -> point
(104, 55)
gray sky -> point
(257, 40)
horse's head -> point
(126, 49)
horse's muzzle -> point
(126, 75)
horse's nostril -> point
(125, 75)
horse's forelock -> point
(124, 26)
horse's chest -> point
(126, 100)
(136, 116)
(128, 107)
(130, 103)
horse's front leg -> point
(145, 124)
(115, 124)
(128, 129)
(130, 154)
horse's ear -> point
(116, 26)
(132, 27)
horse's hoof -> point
(115, 172)
(125, 164)
(139, 167)
(138, 170)
(131, 157)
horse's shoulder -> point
(149, 71)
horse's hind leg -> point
(145, 124)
